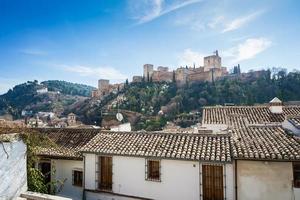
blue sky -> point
(82, 41)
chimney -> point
(275, 106)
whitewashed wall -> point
(179, 179)
(13, 174)
(265, 180)
(63, 170)
(216, 128)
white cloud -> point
(190, 57)
(215, 22)
(248, 49)
(147, 10)
(98, 72)
(241, 21)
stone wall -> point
(13, 176)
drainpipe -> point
(83, 192)
(235, 180)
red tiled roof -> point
(162, 145)
(252, 114)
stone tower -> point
(71, 119)
(213, 61)
(148, 71)
(103, 84)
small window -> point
(296, 169)
(153, 170)
(77, 178)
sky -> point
(83, 41)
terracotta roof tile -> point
(249, 114)
(162, 145)
(266, 143)
(68, 141)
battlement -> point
(211, 71)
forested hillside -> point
(69, 88)
(25, 97)
(150, 98)
(155, 103)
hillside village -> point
(166, 137)
(149, 100)
(196, 129)
(244, 150)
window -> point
(153, 170)
(296, 169)
(77, 178)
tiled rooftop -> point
(249, 114)
(267, 143)
(68, 141)
(248, 142)
(162, 145)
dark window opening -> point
(296, 172)
(153, 170)
(77, 178)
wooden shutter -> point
(105, 166)
(212, 177)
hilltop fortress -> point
(211, 71)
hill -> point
(60, 95)
(169, 101)
(149, 105)
(68, 88)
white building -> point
(42, 90)
(151, 165)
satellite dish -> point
(119, 117)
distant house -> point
(42, 90)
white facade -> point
(42, 90)
(276, 109)
(13, 174)
(179, 179)
(258, 180)
(215, 128)
(62, 171)
(122, 127)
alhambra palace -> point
(212, 70)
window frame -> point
(99, 174)
(296, 182)
(73, 177)
(147, 173)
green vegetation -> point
(155, 102)
(35, 178)
(69, 88)
(25, 97)
(150, 98)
